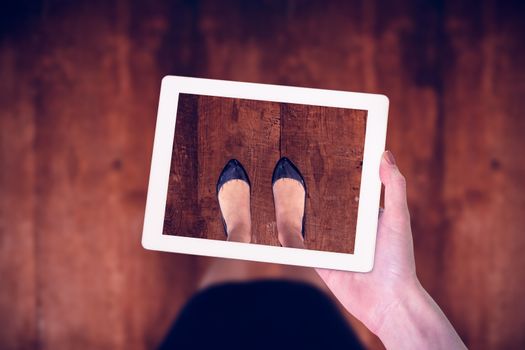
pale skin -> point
(389, 300)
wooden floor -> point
(79, 86)
(326, 144)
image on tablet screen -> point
(325, 143)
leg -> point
(234, 201)
(289, 197)
(289, 210)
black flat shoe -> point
(286, 169)
(233, 170)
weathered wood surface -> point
(326, 144)
(78, 94)
(77, 116)
(249, 132)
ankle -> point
(290, 235)
(291, 240)
(290, 227)
(240, 232)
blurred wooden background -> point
(78, 96)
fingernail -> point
(390, 158)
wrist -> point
(401, 301)
(403, 315)
(415, 321)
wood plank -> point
(96, 286)
(327, 146)
(182, 216)
(484, 175)
(18, 302)
(248, 131)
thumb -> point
(395, 185)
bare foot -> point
(289, 196)
(234, 201)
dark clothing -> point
(268, 314)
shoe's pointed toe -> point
(233, 170)
(285, 168)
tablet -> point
(334, 138)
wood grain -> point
(327, 144)
(76, 127)
(182, 199)
(247, 131)
(18, 261)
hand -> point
(369, 296)
(389, 300)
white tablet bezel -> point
(361, 260)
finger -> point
(395, 185)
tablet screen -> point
(325, 143)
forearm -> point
(417, 322)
